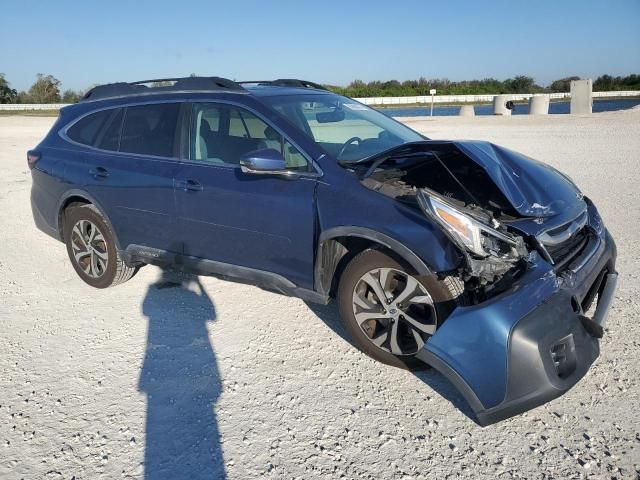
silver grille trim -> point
(561, 234)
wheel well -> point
(339, 251)
(73, 201)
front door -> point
(262, 222)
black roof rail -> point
(121, 89)
(286, 82)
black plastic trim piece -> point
(89, 199)
(321, 277)
(605, 299)
(135, 254)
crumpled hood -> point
(533, 188)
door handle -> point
(99, 172)
(189, 185)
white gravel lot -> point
(141, 382)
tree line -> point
(47, 88)
(518, 84)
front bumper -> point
(529, 344)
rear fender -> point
(82, 194)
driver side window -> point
(222, 134)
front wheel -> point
(389, 311)
(92, 249)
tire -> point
(431, 302)
(92, 248)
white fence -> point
(32, 106)
(388, 100)
(480, 98)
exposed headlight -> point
(471, 234)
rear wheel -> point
(389, 311)
(92, 249)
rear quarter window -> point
(85, 130)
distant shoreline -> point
(459, 104)
(54, 113)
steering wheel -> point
(347, 143)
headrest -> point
(271, 134)
(205, 126)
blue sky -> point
(85, 42)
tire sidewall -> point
(365, 262)
(89, 213)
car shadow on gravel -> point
(330, 316)
(181, 381)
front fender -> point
(355, 210)
(327, 258)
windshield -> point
(345, 129)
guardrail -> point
(386, 100)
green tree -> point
(7, 94)
(46, 89)
(71, 96)
(520, 84)
(563, 85)
(23, 97)
(607, 82)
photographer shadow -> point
(181, 381)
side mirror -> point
(263, 162)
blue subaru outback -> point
(463, 255)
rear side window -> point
(150, 129)
(109, 137)
(86, 130)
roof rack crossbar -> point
(183, 83)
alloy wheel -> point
(394, 310)
(89, 248)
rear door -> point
(260, 222)
(130, 171)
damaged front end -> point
(489, 249)
(460, 196)
(535, 257)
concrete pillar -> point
(581, 96)
(499, 105)
(467, 111)
(539, 105)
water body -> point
(520, 109)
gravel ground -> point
(219, 379)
